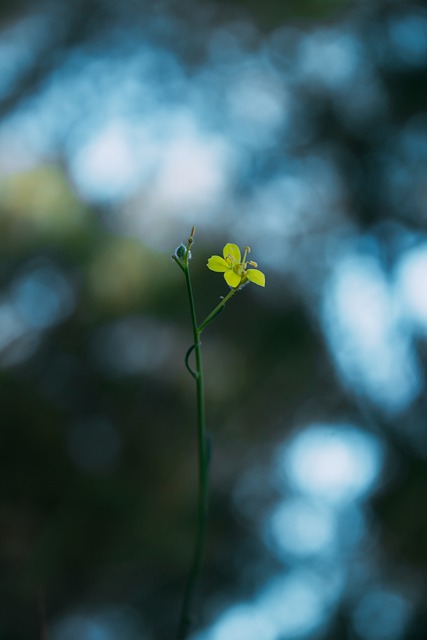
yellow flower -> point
(236, 271)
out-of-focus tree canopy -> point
(299, 128)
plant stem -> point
(215, 312)
(185, 619)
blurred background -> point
(298, 128)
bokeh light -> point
(334, 463)
(370, 346)
(302, 529)
(382, 614)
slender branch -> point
(217, 310)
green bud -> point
(181, 251)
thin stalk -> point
(217, 310)
(185, 619)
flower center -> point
(240, 268)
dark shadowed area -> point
(298, 128)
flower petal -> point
(233, 251)
(232, 279)
(216, 263)
(256, 276)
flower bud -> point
(181, 251)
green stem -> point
(217, 310)
(185, 619)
